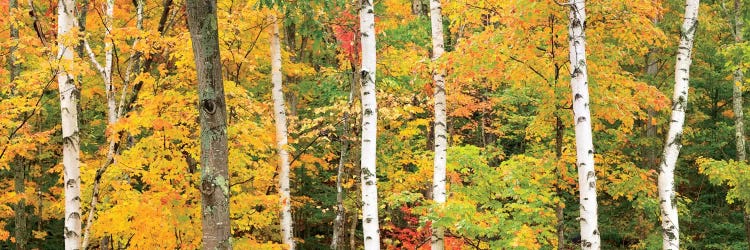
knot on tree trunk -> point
(209, 106)
(208, 186)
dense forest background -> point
(511, 171)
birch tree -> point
(738, 78)
(673, 143)
(112, 116)
(582, 118)
(441, 137)
(69, 94)
(739, 117)
(113, 112)
(106, 69)
(279, 114)
(214, 187)
(370, 228)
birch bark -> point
(737, 90)
(590, 238)
(441, 138)
(673, 143)
(69, 94)
(108, 47)
(279, 111)
(739, 117)
(370, 228)
(113, 112)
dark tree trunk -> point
(559, 209)
(202, 23)
(21, 230)
(340, 220)
(18, 168)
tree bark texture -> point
(279, 109)
(69, 95)
(673, 143)
(19, 171)
(202, 23)
(370, 228)
(441, 137)
(590, 238)
(339, 222)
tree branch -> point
(28, 117)
(92, 57)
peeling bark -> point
(672, 145)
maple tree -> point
(509, 130)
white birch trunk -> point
(69, 114)
(739, 125)
(108, 47)
(112, 112)
(370, 228)
(739, 117)
(673, 143)
(582, 118)
(441, 138)
(279, 114)
(338, 222)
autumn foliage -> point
(511, 157)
